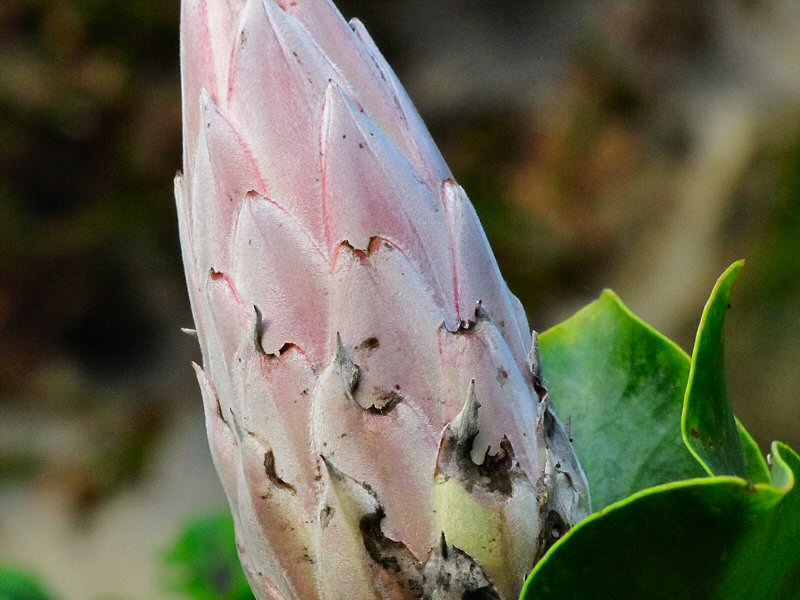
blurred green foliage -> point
(205, 563)
(19, 585)
(202, 564)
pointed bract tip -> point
(347, 369)
(258, 331)
(330, 468)
(452, 573)
(534, 358)
(443, 547)
(451, 193)
(356, 496)
(466, 425)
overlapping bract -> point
(369, 400)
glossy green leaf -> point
(620, 384)
(717, 538)
(754, 463)
(708, 426)
(205, 563)
(19, 585)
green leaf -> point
(754, 463)
(708, 425)
(717, 538)
(18, 585)
(205, 563)
(621, 385)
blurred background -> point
(634, 144)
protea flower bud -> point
(373, 406)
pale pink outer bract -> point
(362, 353)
